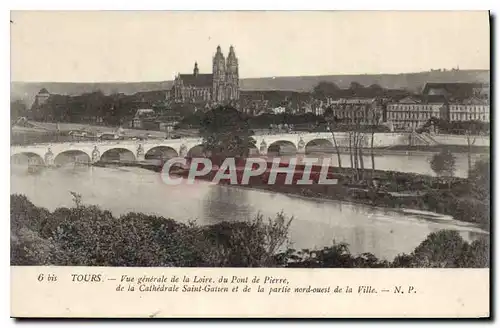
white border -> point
(251, 5)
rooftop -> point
(455, 90)
(198, 80)
(144, 111)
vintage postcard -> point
(323, 164)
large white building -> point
(411, 113)
(472, 109)
(452, 102)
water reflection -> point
(226, 204)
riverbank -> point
(425, 150)
(396, 190)
(467, 210)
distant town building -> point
(142, 116)
(451, 102)
(410, 113)
(168, 120)
(356, 110)
(279, 110)
(463, 101)
(144, 112)
(221, 86)
(453, 92)
(42, 97)
(472, 109)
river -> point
(411, 161)
(317, 223)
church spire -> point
(196, 70)
(231, 54)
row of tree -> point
(112, 109)
(331, 90)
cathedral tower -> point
(196, 71)
(232, 77)
(219, 76)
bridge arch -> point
(118, 154)
(282, 147)
(161, 152)
(72, 156)
(196, 151)
(26, 158)
(253, 150)
(319, 145)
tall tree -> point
(226, 133)
(17, 109)
(443, 164)
(471, 130)
(355, 85)
(331, 121)
(361, 139)
(356, 141)
(324, 89)
(480, 178)
(375, 115)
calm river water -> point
(317, 223)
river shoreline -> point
(380, 206)
(421, 200)
(400, 210)
(413, 150)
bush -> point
(27, 247)
(247, 244)
(446, 249)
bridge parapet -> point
(140, 148)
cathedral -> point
(221, 86)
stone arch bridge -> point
(91, 151)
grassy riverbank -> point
(86, 235)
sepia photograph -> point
(251, 139)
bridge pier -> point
(96, 155)
(263, 148)
(140, 156)
(49, 158)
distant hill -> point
(26, 91)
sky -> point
(112, 46)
